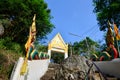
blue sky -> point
(76, 17)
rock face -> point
(72, 68)
(50, 74)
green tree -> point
(16, 17)
(86, 46)
(107, 10)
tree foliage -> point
(107, 10)
(57, 57)
(16, 17)
(85, 46)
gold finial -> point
(34, 17)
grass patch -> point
(8, 59)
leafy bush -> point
(9, 45)
(2, 42)
(8, 54)
(16, 47)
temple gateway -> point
(57, 44)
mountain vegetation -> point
(86, 47)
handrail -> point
(99, 70)
(92, 63)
